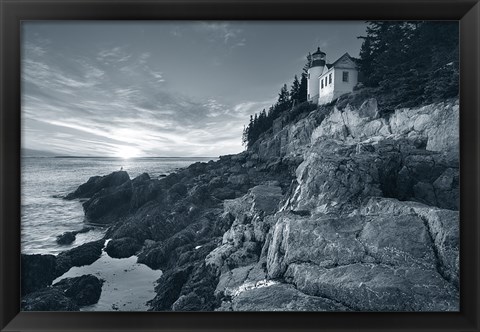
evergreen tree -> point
(245, 136)
(303, 84)
(283, 96)
(283, 102)
(411, 62)
(295, 90)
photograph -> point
(240, 166)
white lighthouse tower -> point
(316, 63)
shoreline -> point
(128, 286)
(330, 215)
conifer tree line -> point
(411, 62)
(403, 63)
(261, 122)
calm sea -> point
(45, 180)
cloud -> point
(158, 76)
(35, 50)
(83, 106)
(223, 32)
(142, 59)
(113, 55)
(116, 100)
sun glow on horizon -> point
(127, 152)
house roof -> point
(343, 57)
(338, 62)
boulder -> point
(69, 237)
(66, 295)
(122, 247)
(66, 238)
(48, 299)
(114, 196)
(97, 183)
(83, 290)
(85, 254)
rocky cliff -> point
(370, 224)
(341, 210)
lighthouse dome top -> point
(319, 52)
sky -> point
(161, 88)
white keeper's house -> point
(326, 82)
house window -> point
(322, 83)
(330, 78)
(308, 96)
(308, 75)
(345, 76)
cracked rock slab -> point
(376, 287)
(282, 297)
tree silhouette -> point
(412, 63)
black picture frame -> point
(15, 11)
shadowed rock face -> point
(113, 196)
(67, 295)
(85, 254)
(83, 290)
(48, 299)
(122, 248)
(37, 271)
(98, 183)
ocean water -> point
(44, 214)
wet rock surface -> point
(83, 290)
(39, 271)
(69, 237)
(123, 247)
(84, 254)
(66, 295)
